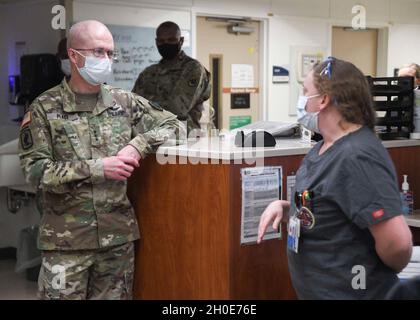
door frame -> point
(382, 43)
(217, 117)
(263, 55)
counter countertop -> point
(413, 220)
(225, 149)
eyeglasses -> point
(327, 70)
(100, 53)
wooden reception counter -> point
(190, 219)
(413, 222)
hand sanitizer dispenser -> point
(406, 198)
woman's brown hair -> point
(348, 90)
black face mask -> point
(169, 51)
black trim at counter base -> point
(209, 309)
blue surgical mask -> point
(308, 119)
(96, 70)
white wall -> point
(130, 14)
(403, 46)
(283, 34)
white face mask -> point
(96, 70)
(308, 119)
(65, 67)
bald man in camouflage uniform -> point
(79, 143)
(179, 83)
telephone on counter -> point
(256, 138)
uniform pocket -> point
(75, 141)
(116, 133)
(66, 142)
(46, 289)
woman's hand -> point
(273, 213)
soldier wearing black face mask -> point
(178, 83)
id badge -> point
(293, 233)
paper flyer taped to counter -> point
(260, 187)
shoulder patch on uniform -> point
(26, 119)
(155, 105)
(26, 138)
(193, 82)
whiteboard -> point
(136, 50)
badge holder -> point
(293, 234)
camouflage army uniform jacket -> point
(60, 150)
(180, 86)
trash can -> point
(28, 256)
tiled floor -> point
(14, 286)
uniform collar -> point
(105, 99)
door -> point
(225, 50)
(358, 47)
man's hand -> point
(130, 152)
(119, 168)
